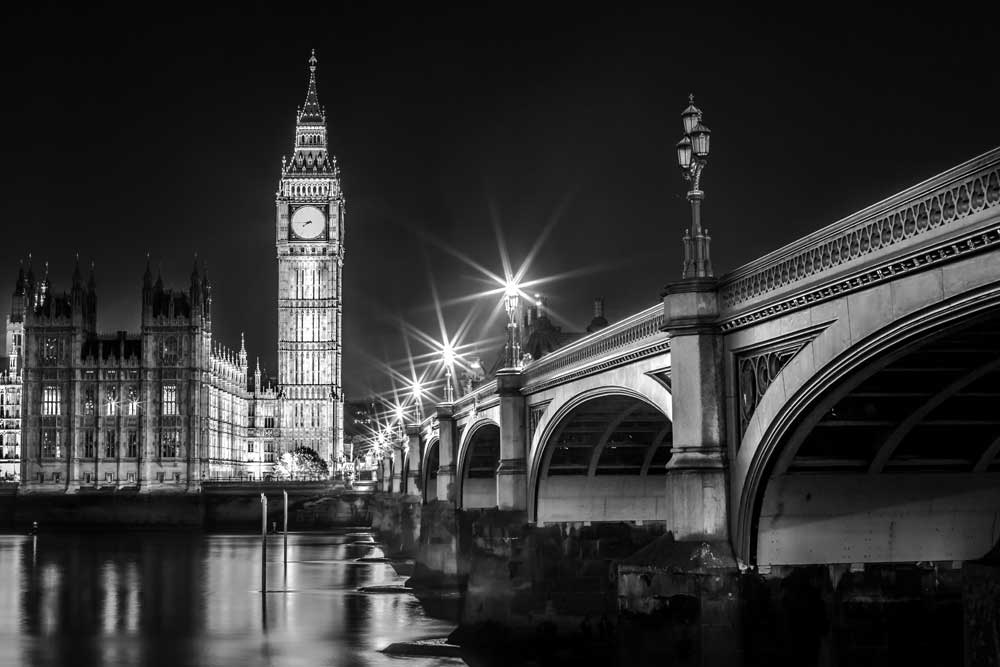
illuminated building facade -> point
(309, 242)
(161, 410)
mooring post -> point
(263, 515)
(285, 528)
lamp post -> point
(448, 356)
(692, 157)
(418, 401)
(511, 300)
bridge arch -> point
(601, 457)
(888, 451)
(478, 458)
(429, 471)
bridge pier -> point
(686, 587)
(397, 469)
(414, 484)
(512, 473)
(446, 454)
(696, 471)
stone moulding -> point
(883, 228)
(621, 360)
(616, 337)
(947, 251)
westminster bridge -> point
(830, 405)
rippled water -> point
(174, 599)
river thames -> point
(203, 599)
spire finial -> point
(690, 98)
(312, 62)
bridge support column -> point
(696, 470)
(416, 458)
(446, 454)
(512, 473)
(397, 469)
(383, 474)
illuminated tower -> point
(309, 233)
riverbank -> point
(310, 506)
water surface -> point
(194, 599)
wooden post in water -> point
(263, 515)
(285, 528)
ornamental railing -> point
(929, 209)
(476, 395)
(621, 336)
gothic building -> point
(168, 407)
(10, 394)
(163, 409)
(309, 241)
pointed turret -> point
(256, 378)
(206, 292)
(243, 352)
(17, 298)
(30, 280)
(91, 307)
(310, 151)
(147, 292)
(311, 111)
(77, 279)
(195, 293)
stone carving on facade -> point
(756, 369)
(535, 413)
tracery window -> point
(170, 443)
(170, 399)
(111, 401)
(51, 401)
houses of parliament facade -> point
(169, 407)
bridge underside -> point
(479, 476)
(897, 464)
(606, 462)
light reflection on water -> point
(176, 599)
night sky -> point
(124, 135)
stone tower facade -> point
(309, 226)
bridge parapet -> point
(930, 222)
(632, 338)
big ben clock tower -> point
(310, 233)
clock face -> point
(308, 222)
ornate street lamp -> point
(692, 157)
(418, 400)
(448, 356)
(511, 300)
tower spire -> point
(312, 112)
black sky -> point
(132, 133)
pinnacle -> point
(311, 111)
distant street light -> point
(512, 298)
(448, 356)
(692, 157)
